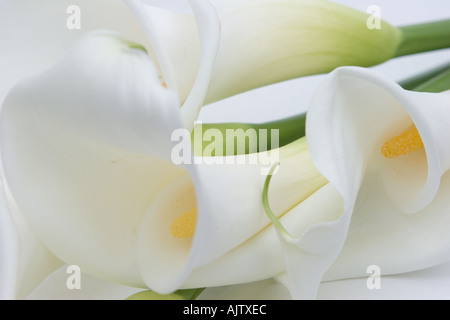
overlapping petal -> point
(400, 214)
(394, 212)
(86, 147)
(232, 228)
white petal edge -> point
(174, 38)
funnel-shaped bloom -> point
(386, 152)
(228, 47)
(87, 154)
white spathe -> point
(86, 147)
(83, 138)
(395, 212)
(34, 35)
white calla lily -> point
(34, 36)
(234, 46)
(105, 153)
(87, 152)
(177, 55)
(385, 152)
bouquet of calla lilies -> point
(107, 168)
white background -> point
(287, 99)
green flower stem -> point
(189, 294)
(290, 129)
(414, 82)
(424, 37)
(265, 197)
(439, 83)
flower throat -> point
(184, 226)
(405, 143)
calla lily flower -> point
(385, 152)
(34, 36)
(24, 56)
(87, 154)
(195, 59)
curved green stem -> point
(424, 37)
(273, 218)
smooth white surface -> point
(281, 100)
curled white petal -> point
(357, 125)
(395, 208)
